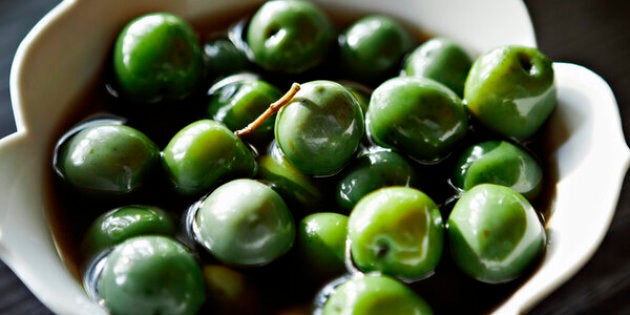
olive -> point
(441, 60)
(299, 190)
(290, 36)
(397, 231)
(374, 294)
(245, 223)
(494, 234)
(511, 90)
(320, 129)
(148, 275)
(322, 242)
(119, 224)
(231, 291)
(239, 102)
(224, 58)
(502, 163)
(374, 168)
(156, 57)
(107, 158)
(417, 116)
(204, 154)
(372, 47)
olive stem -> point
(271, 110)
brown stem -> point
(271, 110)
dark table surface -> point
(592, 33)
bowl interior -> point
(66, 51)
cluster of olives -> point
(338, 175)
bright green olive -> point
(290, 36)
(417, 116)
(397, 231)
(320, 129)
(158, 56)
(237, 103)
(244, 222)
(441, 60)
(224, 58)
(372, 47)
(495, 234)
(148, 275)
(205, 153)
(511, 90)
(322, 242)
(373, 169)
(117, 225)
(374, 294)
(297, 189)
(107, 158)
(502, 163)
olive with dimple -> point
(157, 56)
(320, 129)
(441, 60)
(245, 223)
(511, 90)
(397, 231)
(148, 275)
(204, 154)
(372, 47)
(117, 225)
(417, 116)
(374, 294)
(502, 163)
(107, 158)
(374, 168)
(495, 234)
(239, 102)
(290, 36)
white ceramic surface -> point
(65, 51)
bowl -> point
(65, 52)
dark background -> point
(595, 34)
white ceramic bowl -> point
(66, 50)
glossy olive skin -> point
(119, 224)
(397, 231)
(374, 168)
(245, 223)
(495, 234)
(373, 294)
(321, 128)
(322, 242)
(441, 60)
(224, 58)
(156, 57)
(501, 163)
(417, 116)
(372, 47)
(148, 275)
(107, 158)
(239, 102)
(297, 189)
(290, 36)
(204, 154)
(511, 90)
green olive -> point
(322, 243)
(158, 56)
(495, 234)
(107, 158)
(224, 58)
(245, 223)
(117, 225)
(290, 36)
(397, 231)
(511, 90)
(204, 154)
(148, 275)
